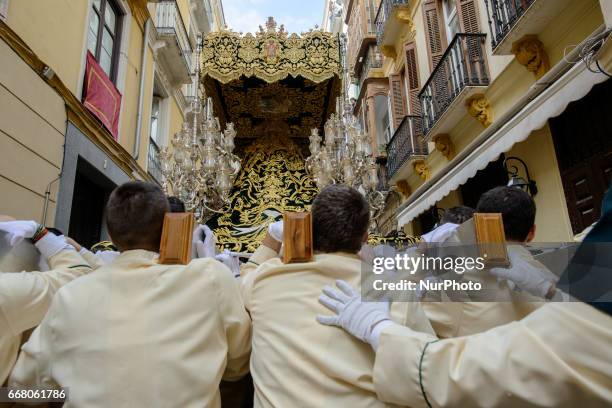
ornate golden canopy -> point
(272, 80)
(270, 55)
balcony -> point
(173, 48)
(406, 144)
(372, 60)
(362, 33)
(461, 73)
(154, 165)
(510, 20)
(389, 19)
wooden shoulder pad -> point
(491, 240)
(175, 245)
(297, 237)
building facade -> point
(460, 96)
(90, 91)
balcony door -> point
(453, 27)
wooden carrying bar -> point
(491, 240)
(297, 237)
(175, 245)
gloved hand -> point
(18, 230)
(440, 234)
(356, 317)
(50, 244)
(231, 261)
(276, 230)
(525, 276)
(203, 248)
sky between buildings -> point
(297, 15)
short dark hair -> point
(135, 215)
(457, 215)
(176, 204)
(340, 218)
(516, 207)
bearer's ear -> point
(531, 234)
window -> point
(451, 19)
(155, 120)
(103, 35)
(3, 9)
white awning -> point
(572, 86)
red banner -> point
(101, 96)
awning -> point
(572, 86)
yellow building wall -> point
(129, 103)
(32, 127)
(510, 82)
(55, 30)
(552, 218)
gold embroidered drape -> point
(270, 55)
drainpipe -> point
(136, 151)
(47, 199)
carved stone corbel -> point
(421, 169)
(404, 188)
(529, 52)
(444, 145)
(404, 15)
(388, 51)
(480, 109)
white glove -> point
(525, 276)
(231, 261)
(107, 257)
(356, 317)
(440, 234)
(203, 248)
(18, 230)
(50, 244)
(276, 230)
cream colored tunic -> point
(297, 362)
(136, 333)
(455, 319)
(25, 298)
(558, 356)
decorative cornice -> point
(139, 10)
(75, 111)
(270, 55)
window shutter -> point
(435, 40)
(468, 16)
(412, 72)
(397, 99)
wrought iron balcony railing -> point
(154, 165)
(462, 65)
(503, 15)
(372, 59)
(170, 22)
(384, 12)
(407, 142)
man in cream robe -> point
(452, 318)
(26, 296)
(138, 333)
(295, 361)
(558, 356)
